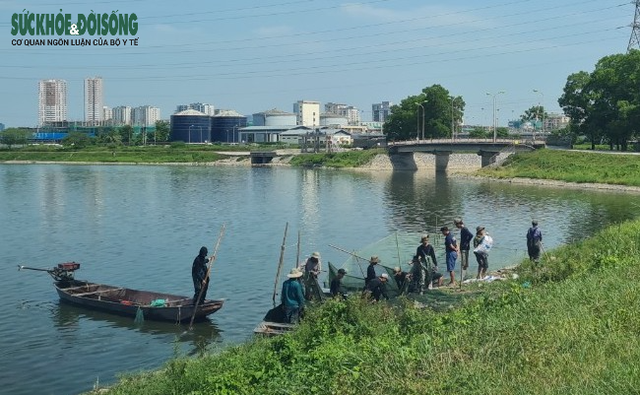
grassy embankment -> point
(571, 167)
(570, 327)
(175, 153)
(336, 160)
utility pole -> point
(634, 40)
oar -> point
(354, 255)
(206, 278)
(280, 262)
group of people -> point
(423, 274)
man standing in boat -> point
(291, 297)
(199, 275)
(312, 269)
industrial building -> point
(190, 126)
(225, 125)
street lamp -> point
(190, 133)
(542, 108)
(453, 130)
(201, 134)
(495, 134)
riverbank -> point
(549, 331)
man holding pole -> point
(199, 275)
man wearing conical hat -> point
(291, 297)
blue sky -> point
(253, 55)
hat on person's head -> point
(315, 255)
(534, 222)
(342, 271)
(416, 258)
(385, 276)
(374, 259)
(479, 228)
(397, 269)
(457, 221)
(294, 273)
(424, 237)
(444, 229)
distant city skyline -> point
(251, 58)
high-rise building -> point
(351, 113)
(381, 111)
(93, 100)
(52, 101)
(307, 112)
(121, 115)
(107, 113)
(145, 115)
(204, 108)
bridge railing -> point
(458, 141)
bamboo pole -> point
(206, 278)
(280, 262)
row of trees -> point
(604, 105)
(113, 136)
(433, 113)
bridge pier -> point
(442, 160)
(488, 157)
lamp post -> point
(542, 108)
(201, 135)
(190, 126)
(495, 134)
(453, 129)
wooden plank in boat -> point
(98, 292)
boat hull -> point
(128, 302)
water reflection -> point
(69, 319)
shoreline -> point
(380, 163)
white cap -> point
(384, 275)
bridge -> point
(488, 149)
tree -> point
(606, 103)
(126, 134)
(535, 113)
(76, 140)
(162, 131)
(408, 119)
(479, 132)
(15, 136)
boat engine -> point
(64, 271)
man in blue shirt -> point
(534, 242)
(451, 253)
(465, 242)
(292, 297)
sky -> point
(252, 56)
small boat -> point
(133, 303)
(273, 323)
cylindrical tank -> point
(330, 119)
(190, 126)
(274, 117)
(225, 125)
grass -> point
(180, 153)
(571, 167)
(568, 327)
(336, 160)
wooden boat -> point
(125, 301)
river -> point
(141, 226)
